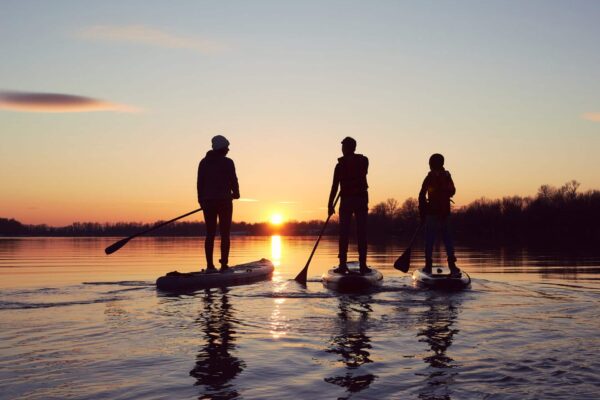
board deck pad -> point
(353, 281)
(440, 278)
(242, 274)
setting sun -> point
(276, 219)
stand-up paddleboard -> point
(440, 279)
(237, 275)
(353, 281)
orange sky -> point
(105, 118)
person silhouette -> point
(434, 208)
(350, 175)
(217, 186)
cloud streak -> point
(144, 35)
(592, 116)
(56, 103)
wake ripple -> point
(16, 305)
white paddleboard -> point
(440, 279)
(352, 282)
(242, 274)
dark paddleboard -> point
(243, 274)
(440, 279)
(352, 282)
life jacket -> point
(353, 174)
(440, 188)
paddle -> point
(117, 245)
(301, 277)
(403, 262)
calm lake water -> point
(76, 324)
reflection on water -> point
(215, 366)
(438, 332)
(276, 250)
(278, 321)
(528, 328)
(352, 344)
(36, 262)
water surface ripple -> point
(87, 326)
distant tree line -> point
(11, 227)
(553, 214)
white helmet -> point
(219, 142)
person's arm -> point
(334, 189)
(235, 186)
(423, 198)
(451, 187)
(200, 182)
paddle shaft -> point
(403, 262)
(165, 223)
(414, 237)
(301, 277)
(117, 245)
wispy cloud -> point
(56, 102)
(145, 35)
(592, 116)
(288, 202)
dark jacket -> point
(217, 178)
(435, 194)
(351, 175)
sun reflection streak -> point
(278, 321)
(276, 250)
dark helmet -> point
(348, 141)
(436, 161)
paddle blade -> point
(403, 262)
(116, 246)
(301, 277)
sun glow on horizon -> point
(276, 219)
